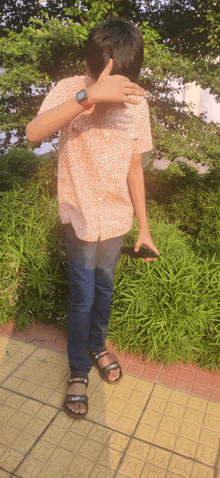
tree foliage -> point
(47, 49)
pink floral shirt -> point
(94, 157)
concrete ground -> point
(157, 422)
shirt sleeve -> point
(63, 91)
(143, 141)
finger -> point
(130, 100)
(108, 68)
(134, 91)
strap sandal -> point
(76, 399)
(105, 371)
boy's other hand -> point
(113, 89)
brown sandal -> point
(105, 371)
(76, 399)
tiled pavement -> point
(158, 422)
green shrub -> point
(188, 198)
(17, 167)
(169, 309)
(20, 167)
(34, 272)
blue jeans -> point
(91, 281)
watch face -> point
(81, 95)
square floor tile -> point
(171, 424)
(194, 416)
(114, 404)
(9, 458)
(206, 454)
(131, 467)
(138, 449)
(151, 417)
(209, 438)
(201, 471)
(174, 409)
(214, 395)
(110, 458)
(166, 379)
(153, 471)
(125, 425)
(106, 417)
(146, 432)
(162, 392)
(198, 404)
(121, 392)
(200, 390)
(190, 431)
(30, 468)
(132, 410)
(158, 457)
(213, 409)
(180, 466)
(178, 397)
(4, 474)
(211, 422)
(100, 471)
(185, 446)
(165, 439)
(156, 403)
(149, 374)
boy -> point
(104, 131)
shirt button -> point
(101, 217)
(100, 198)
(103, 179)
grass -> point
(168, 310)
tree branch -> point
(174, 40)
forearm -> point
(135, 181)
(46, 124)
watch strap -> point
(86, 105)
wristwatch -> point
(82, 99)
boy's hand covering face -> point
(113, 89)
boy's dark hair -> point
(120, 40)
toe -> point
(114, 375)
(82, 408)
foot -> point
(77, 389)
(106, 360)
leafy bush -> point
(20, 167)
(188, 198)
(34, 272)
(17, 166)
(169, 309)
